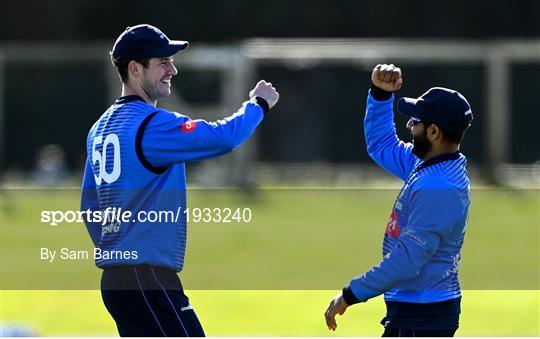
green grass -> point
(268, 313)
(275, 275)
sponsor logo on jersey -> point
(188, 126)
(392, 228)
(411, 234)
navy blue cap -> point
(144, 41)
(444, 107)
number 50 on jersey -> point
(111, 141)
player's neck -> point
(131, 90)
(441, 149)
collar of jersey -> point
(438, 159)
(128, 98)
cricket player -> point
(421, 250)
(136, 162)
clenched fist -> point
(266, 91)
(387, 77)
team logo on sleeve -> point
(188, 126)
(392, 228)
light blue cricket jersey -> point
(426, 228)
(136, 162)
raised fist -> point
(266, 91)
(387, 77)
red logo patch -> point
(189, 126)
(392, 228)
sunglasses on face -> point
(416, 121)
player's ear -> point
(134, 67)
(434, 132)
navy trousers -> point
(147, 301)
(400, 332)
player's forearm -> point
(170, 139)
(237, 128)
(383, 145)
(404, 262)
(379, 128)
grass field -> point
(268, 313)
(275, 275)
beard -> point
(421, 145)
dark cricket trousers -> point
(438, 319)
(403, 332)
(147, 301)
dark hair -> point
(453, 137)
(123, 69)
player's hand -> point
(337, 306)
(387, 77)
(266, 91)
